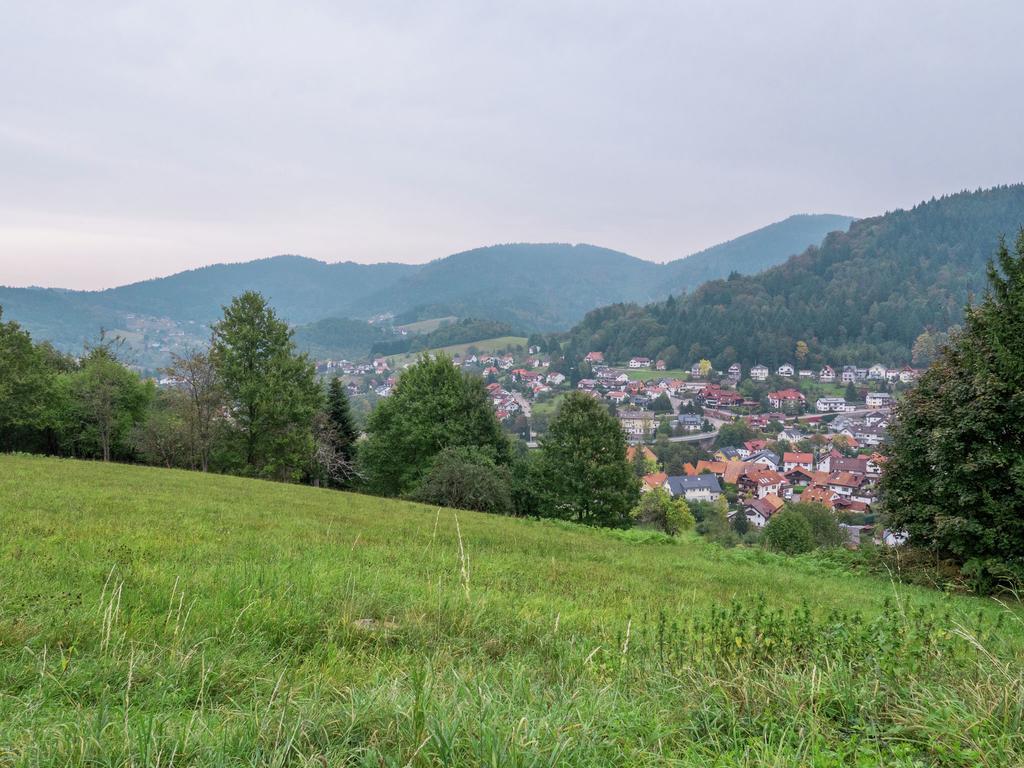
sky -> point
(140, 139)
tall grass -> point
(154, 617)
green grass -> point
(646, 374)
(426, 326)
(491, 346)
(158, 617)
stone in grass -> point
(374, 625)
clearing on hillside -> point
(154, 616)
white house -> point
(640, 362)
(849, 374)
(832, 405)
(735, 371)
(907, 374)
(805, 373)
(879, 400)
(700, 488)
(826, 375)
(556, 379)
(785, 370)
(759, 373)
(877, 372)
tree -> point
(271, 391)
(661, 404)
(467, 478)
(108, 400)
(955, 478)
(704, 368)
(339, 414)
(825, 530)
(658, 509)
(740, 523)
(26, 387)
(163, 436)
(788, 532)
(851, 393)
(734, 433)
(196, 374)
(925, 349)
(582, 472)
(801, 351)
(432, 407)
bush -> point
(467, 478)
(825, 530)
(658, 509)
(788, 532)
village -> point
(812, 435)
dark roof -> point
(679, 484)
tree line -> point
(250, 404)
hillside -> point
(523, 284)
(155, 617)
(863, 295)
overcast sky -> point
(139, 139)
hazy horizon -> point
(139, 142)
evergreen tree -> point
(271, 391)
(582, 473)
(339, 412)
(955, 478)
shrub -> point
(788, 532)
(467, 478)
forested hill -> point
(863, 295)
(532, 286)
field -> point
(646, 374)
(426, 326)
(494, 345)
(158, 617)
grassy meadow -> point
(159, 617)
(486, 346)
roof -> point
(679, 484)
(767, 506)
(766, 477)
(797, 458)
(845, 479)
(647, 453)
(655, 479)
(774, 457)
(817, 494)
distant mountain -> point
(543, 287)
(755, 251)
(863, 295)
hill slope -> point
(531, 286)
(863, 295)
(153, 613)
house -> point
(844, 483)
(832, 405)
(759, 373)
(819, 494)
(728, 453)
(785, 370)
(762, 482)
(765, 459)
(660, 365)
(587, 384)
(594, 357)
(826, 375)
(857, 465)
(556, 379)
(787, 400)
(716, 468)
(805, 373)
(753, 446)
(697, 488)
(791, 435)
(637, 425)
(849, 374)
(735, 371)
(801, 476)
(759, 511)
(640, 362)
(646, 452)
(877, 372)
(878, 400)
(868, 435)
(652, 481)
(792, 460)
(907, 374)
(695, 371)
(688, 422)
(617, 396)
